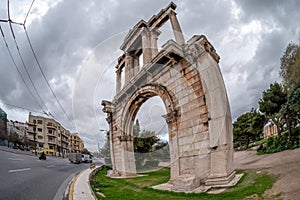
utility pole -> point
(61, 146)
(25, 139)
(98, 150)
(34, 140)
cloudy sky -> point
(77, 44)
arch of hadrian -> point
(187, 77)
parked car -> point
(21, 147)
(86, 158)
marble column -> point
(128, 67)
(146, 46)
(176, 28)
(136, 66)
(118, 79)
(153, 41)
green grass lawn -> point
(140, 187)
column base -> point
(220, 180)
(113, 173)
(184, 183)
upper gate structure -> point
(187, 77)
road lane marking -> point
(15, 159)
(51, 166)
(19, 170)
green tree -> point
(3, 131)
(291, 110)
(271, 103)
(248, 127)
(145, 141)
(148, 147)
(86, 151)
(290, 66)
(136, 128)
(294, 105)
(105, 150)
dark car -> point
(21, 147)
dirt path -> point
(285, 165)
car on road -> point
(75, 158)
(86, 158)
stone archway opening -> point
(151, 136)
(129, 114)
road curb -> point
(95, 170)
(89, 173)
(71, 190)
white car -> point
(86, 158)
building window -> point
(40, 137)
(40, 122)
(40, 130)
(50, 131)
(34, 121)
(51, 147)
(51, 140)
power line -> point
(23, 108)
(24, 66)
(38, 63)
(14, 62)
(35, 57)
(41, 70)
(28, 12)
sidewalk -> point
(29, 153)
(80, 187)
(17, 151)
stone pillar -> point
(153, 41)
(176, 28)
(109, 109)
(127, 154)
(136, 66)
(128, 67)
(118, 79)
(146, 46)
(171, 119)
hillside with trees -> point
(280, 104)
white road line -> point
(19, 170)
(15, 159)
(51, 166)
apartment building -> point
(19, 129)
(49, 135)
(3, 126)
(77, 144)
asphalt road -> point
(24, 177)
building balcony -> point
(40, 140)
(51, 142)
(51, 126)
(51, 135)
(31, 124)
(65, 141)
(31, 131)
(29, 137)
